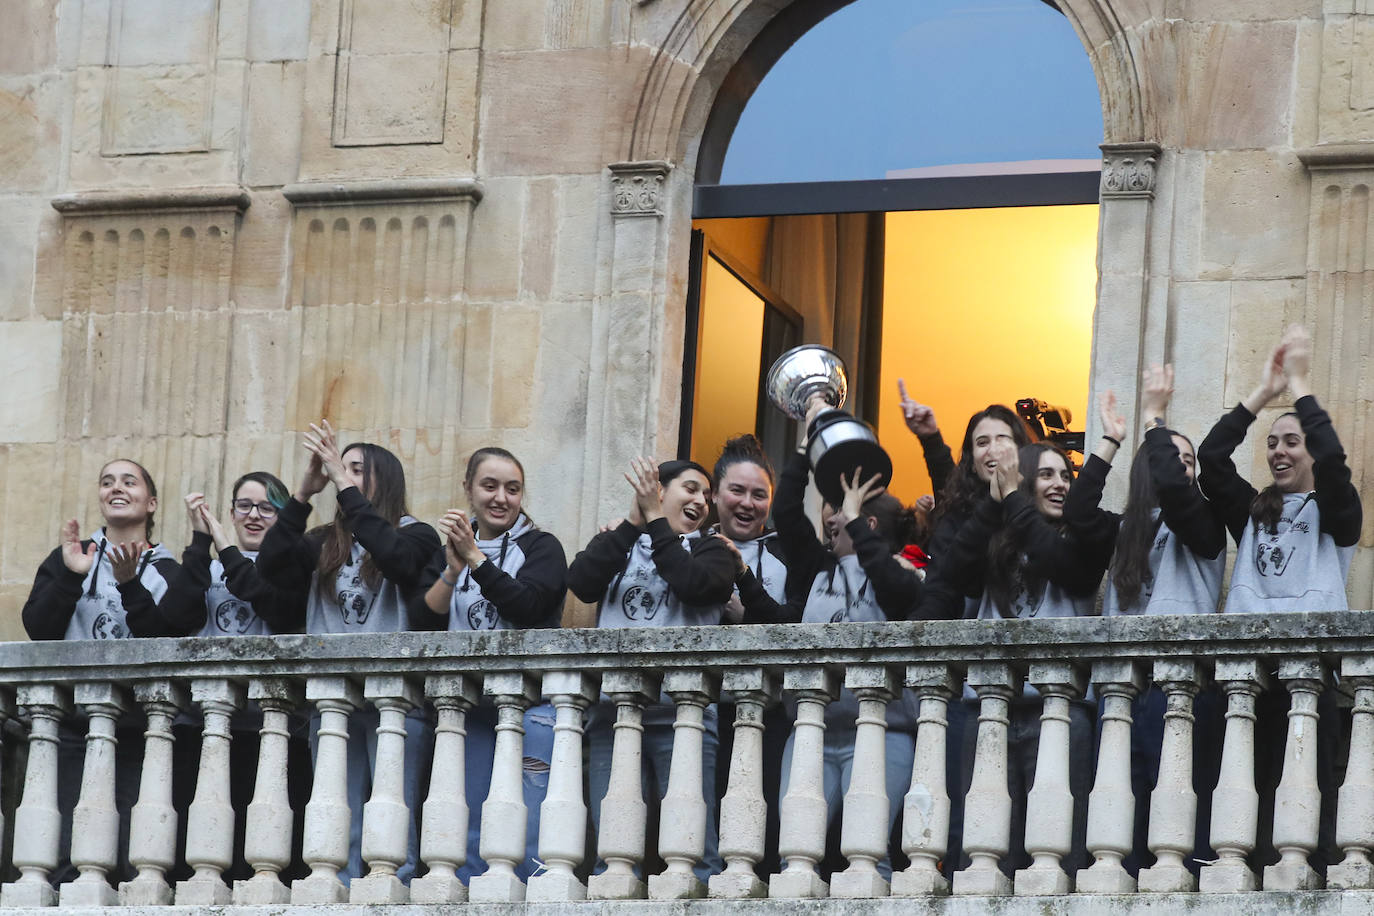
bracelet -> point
(453, 584)
(1112, 439)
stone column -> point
(744, 810)
(444, 820)
(1049, 804)
(563, 815)
(925, 813)
(620, 839)
(865, 828)
(1355, 811)
(504, 813)
(210, 820)
(1111, 804)
(95, 822)
(386, 818)
(1297, 802)
(1173, 804)
(153, 821)
(37, 821)
(267, 835)
(987, 807)
(682, 822)
(1235, 803)
(802, 812)
(324, 845)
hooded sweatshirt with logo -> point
(520, 586)
(228, 596)
(290, 559)
(67, 605)
(1301, 565)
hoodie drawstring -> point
(95, 568)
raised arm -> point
(57, 585)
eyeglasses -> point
(242, 508)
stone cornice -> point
(637, 187)
(390, 190)
(146, 200)
(1204, 637)
(1330, 156)
(1129, 170)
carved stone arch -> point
(715, 53)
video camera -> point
(1050, 422)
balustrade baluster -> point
(210, 820)
(802, 812)
(503, 813)
(866, 824)
(1297, 802)
(1235, 803)
(1050, 802)
(95, 822)
(267, 834)
(324, 844)
(563, 814)
(1173, 803)
(620, 837)
(987, 806)
(1111, 804)
(153, 821)
(925, 813)
(444, 821)
(37, 821)
(744, 810)
(386, 817)
(682, 824)
(1355, 811)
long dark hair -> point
(384, 484)
(1131, 562)
(896, 523)
(964, 485)
(1267, 507)
(147, 480)
(1006, 574)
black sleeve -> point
(183, 606)
(704, 574)
(52, 599)
(604, 557)
(896, 588)
(1090, 525)
(1049, 554)
(759, 606)
(533, 597)
(144, 616)
(1339, 501)
(282, 609)
(941, 598)
(805, 553)
(1192, 519)
(289, 557)
(1221, 483)
(939, 460)
(401, 553)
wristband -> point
(1154, 423)
(453, 584)
(1112, 439)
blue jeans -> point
(480, 753)
(657, 756)
(362, 759)
(839, 767)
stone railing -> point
(42, 683)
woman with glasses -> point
(227, 596)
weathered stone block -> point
(30, 361)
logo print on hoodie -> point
(355, 600)
(232, 616)
(637, 598)
(1272, 559)
(482, 615)
(107, 624)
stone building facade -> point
(445, 223)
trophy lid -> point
(803, 371)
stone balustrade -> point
(1241, 658)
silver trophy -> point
(837, 443)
